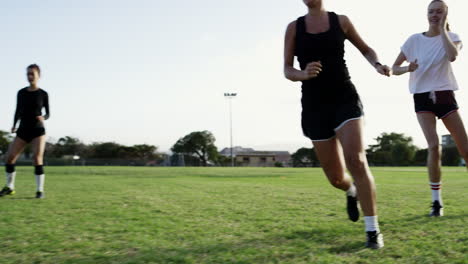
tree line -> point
(391, 149)
(72, 148)
(199, 149)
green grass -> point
(223, 215)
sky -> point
(152, 71)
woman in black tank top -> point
(331, 108)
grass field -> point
(224, 215)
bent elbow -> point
(285, 73)
(396, 70)
(288, 75)
(366, 51)
(453, 57)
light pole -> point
(230, 96)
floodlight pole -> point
(230, 96)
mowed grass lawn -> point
(225, 215)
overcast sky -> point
(151, 71)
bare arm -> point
(354, 37)
(451, 48)
(291, 73)
(397, 68)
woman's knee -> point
(434, 148)
(336, 179)
(356, 161)
(38, 159)
(463, 151)
(11, 158)
(334, 173)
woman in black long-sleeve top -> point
(30, 102)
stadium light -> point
(230, 96)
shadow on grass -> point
(327, 238)
(426, 218)
(22, 198)
(302, 245)
(238, 176)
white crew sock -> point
(351, 191)
(436, 191)
(40, 182)
(10, 180)
(372, 223)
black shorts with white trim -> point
(321, 120)
(440, 103)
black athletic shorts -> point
(320, 121)
(28, 134)
(440, 103)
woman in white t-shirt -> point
(432, 84)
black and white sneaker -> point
(6, 191)
(374, 240)
(352, 208)
(437, 209)
(40, 195)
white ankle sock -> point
(10, 180)
(40, 182)
(372, 223)
(436, 191)
(352, 191)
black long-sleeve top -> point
(29, 106)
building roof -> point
(240, 151)
(235, 150)
(256, 153)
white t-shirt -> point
(435, 71)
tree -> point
(305, 157)
(199, 144)
(71, 146)
(223, 160)
(420, 158)
(141, 152)
(392, 149)
(5, 140)
(450, 156)
(106, 150)
(145, 152)
(66, 146)
(403, 154)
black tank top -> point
(326, 47)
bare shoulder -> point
(291, 30)
(343, 19)
(345, 22)
(291, 26)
